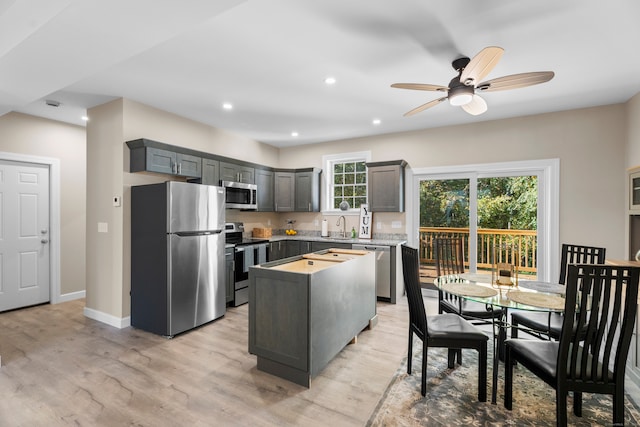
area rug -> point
(452, 398)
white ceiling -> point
(269, 58)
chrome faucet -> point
(344, 226)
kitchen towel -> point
(262, 253)
(248, 259)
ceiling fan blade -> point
(424, 106)
(515, 81)
(481, 65)
(420, 86)
(476, 107)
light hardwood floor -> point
(61, 368)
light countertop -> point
(331, 239)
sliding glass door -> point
(507, 206)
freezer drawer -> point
(196, 274)
(383, 268)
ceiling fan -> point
(463, 89)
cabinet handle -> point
(174, 167)
(309, 206)
(179, 168)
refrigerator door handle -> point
(197, 233)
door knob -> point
(44, 241)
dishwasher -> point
(383, 268)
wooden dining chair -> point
(449, 257)
(602, 300)
(549, 325)
(443, 330)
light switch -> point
(103, 227)
(116, 201)
(396, 224)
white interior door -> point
(24, 234)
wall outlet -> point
(103, 227)
(268, 222)
(379, 225)
(116, 201)
(316, 222)
(396, 224)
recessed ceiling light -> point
(227, 106)
(376, 122)
(330, 81)
(85, 118)
(294, 134)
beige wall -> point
(590, 144)
(34, 136)
(110, 125)
(633, 125)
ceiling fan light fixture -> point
(459, 94)
(458, 99)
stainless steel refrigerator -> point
(177, 256)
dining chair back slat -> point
(579, 254)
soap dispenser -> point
(353, 232)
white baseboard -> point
(71, 296)
(109, 319)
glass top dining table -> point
(529, 295)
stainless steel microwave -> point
(240, 195)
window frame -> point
(548, 173)
(328, 161)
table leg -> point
(499, 336)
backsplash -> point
(309, 223)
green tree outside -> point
(503, 203)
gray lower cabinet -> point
(151, 159)
(288, 248)
(210, 171)
(275, 251)
(385, 181)
(283, 249)
(300, 320)
(284, 191)
(321, 246)
(265, 191)
(305, 247)
(237, 173)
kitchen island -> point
(304, 310)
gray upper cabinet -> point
(307, 190)
(152, 159)
(386, 186)
(284, 191)
(237, 173)
(188, 165)
(210, 171)
(265, 192)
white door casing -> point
(548, 173)
(24, 234)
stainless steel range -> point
(247, 252)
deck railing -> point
(506, 242)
